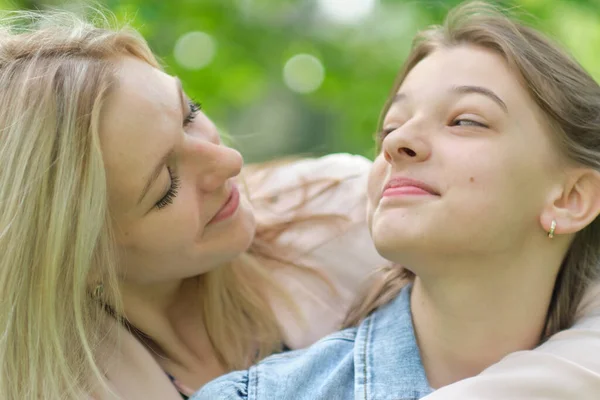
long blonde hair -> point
(55, 230)
(570, 100)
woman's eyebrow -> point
(182, 99)
(154, 175)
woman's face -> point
(171, 183)
(466, 162)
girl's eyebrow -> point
(483, 91)
(463, 89)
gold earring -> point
(552, 228)
(98, 291)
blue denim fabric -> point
(378, 360)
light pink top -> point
(340, 249)
(566, 367)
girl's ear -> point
(576, 205)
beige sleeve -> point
(342, 251)
(566, 367)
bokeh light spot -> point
(195, 50)
(303, 73)
(346, 11)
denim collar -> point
(387, 363)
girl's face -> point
(171, 183)
(466, 162)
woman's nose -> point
(213, 164)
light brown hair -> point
(569, 98)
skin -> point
(484, 266)
(164, 244)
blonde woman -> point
(486, 189)
(133, 266)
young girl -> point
(486, 190)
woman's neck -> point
(466, 322)
(169, 321)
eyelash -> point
(171, 193)
(472, 123)
(167, 199)
(195, 107)
(382, 134)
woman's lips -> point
(230, 206)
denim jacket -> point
(378, 360)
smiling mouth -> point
(405, 191)
(407, 187)
(229, 208)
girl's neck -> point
(466, 322)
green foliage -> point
(242, 89)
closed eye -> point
(171, 192)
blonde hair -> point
(570, 100)
(55, 230)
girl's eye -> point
(171, 193)
(467, 122)
(195, 107)
(385, 131)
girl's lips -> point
(401, 186)
(230, 206)
(405, 191)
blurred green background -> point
(308, 76)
